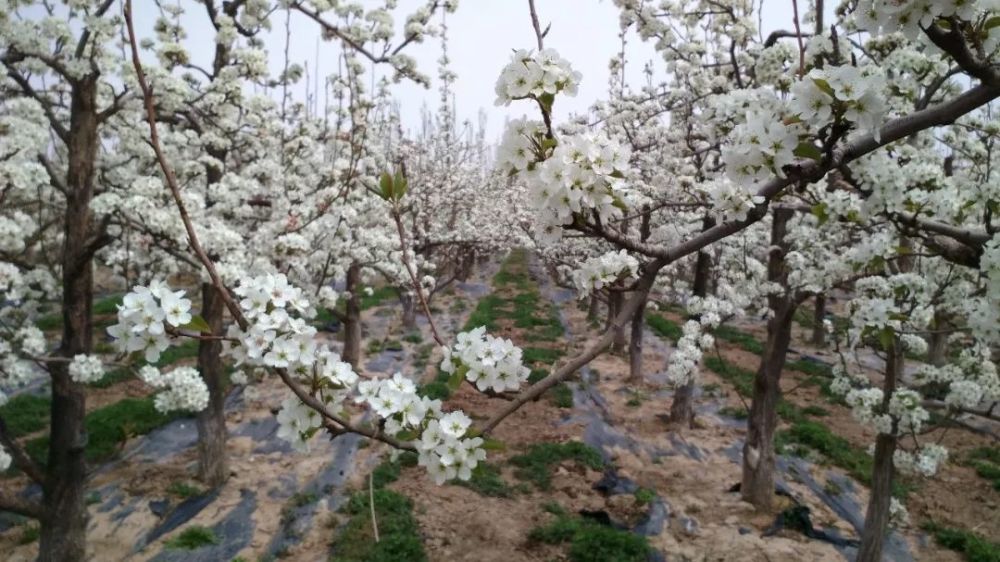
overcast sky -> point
(482, 34)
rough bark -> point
(638, 319)
(758, 451)
(615, 300)
(757, 486)
(593, 308)
(213, 466)
(819, 314)
(352, 317)
(635, 345)
(877, 516)
(409, 305)
(64, 525)
(682, 407)
(937, 349)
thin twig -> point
(413, 276)
(539, 35)
(798, 37)
(371, 503)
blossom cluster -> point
(910, 16)
(489, 362)
(182, 388)
(15, 369)
(707, 314)
(521, 145)
(279, 337)
(845, 91)
(279, 334)
(441, 439)
(584, 173)
(141, 319)
(86, 368)
(535, 75)
(924, 461)
(597, 272)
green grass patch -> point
(812, 368)
(740, 378)
(972, 546)
(740, 339)
(815, 411)
(534, 356)
(561, 395)
(379, 295)
(644, 496)
(413, 337)
(389, 471)
(837, 450)
(195, 536)
(663, 327)
(29, 533)
(109, 427)
(590, 541)
(986, 462)
(26, 413)
(535, 465)
(184, 490)
(737, 412)
(102, 307)
(487, 480)
(399, 534)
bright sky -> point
(482, 34)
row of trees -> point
(766, 170)
(853, 155)
(271, 185)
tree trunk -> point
(615, 301)
(212, 433)
(638, 319)
(64, 525)
(758, 452)
(593, 308)
(819, 326)
(635, 345)
(352, 318)
(682, 407)
(757, 486)
(877, 516)
(409, 304)
(937, 349)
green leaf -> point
(887, 337)
(618, 203)
(547, 100)
(398, 186)
(991, 23)
(548, 143)
(406, 435)
(825, 86)
(197, 324)
(493, 445)
(385, 183)
(821, 213)
(808, 150)
(455, 380)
